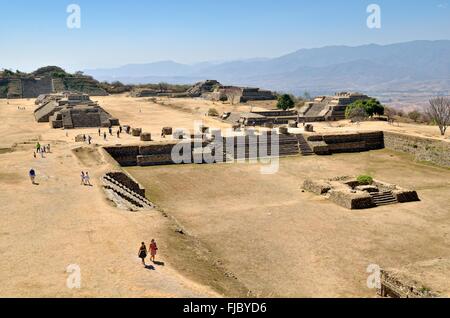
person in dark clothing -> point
(32, 175)
(142, 252)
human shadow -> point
(150, 267)
(159, 263)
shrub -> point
(213, 112)
(285, 102)
(365, 180)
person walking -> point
(32, 175)
(87, 179)
(89, 139)
(38, 147)
(83, 182)
(153, 249)
(99, 132)
(104, 136)
(118, 134)
(142, 253)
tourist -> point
(87, 179)
(83, 182)
(99, 132)
(153, 249)
(120, 129)
(142, 252)
(118, 134)
(110, 130)
(104, 136)
(38, 147)
(89, 139)
(32, 175)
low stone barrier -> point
(317, 187)
(352, 201)
(423, 149)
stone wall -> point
(126, 156)
(423, 149)
(35, 87)
(351, 201)
(344, 143)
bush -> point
(370, 106)
(365, 180)
(285, 102)
(213, 112)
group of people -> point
(85, 178)
(118, 132)
(143, 252)
(41, 149)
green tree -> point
(356, 112)
(371, 106)
(285, 102)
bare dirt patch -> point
(279, 241)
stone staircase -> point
(123, 196)
(288, 145)
(383, 198)
(305, 149)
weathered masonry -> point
(423, 149)
(248, 147)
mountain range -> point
(410, 67)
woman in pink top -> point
(153, 249)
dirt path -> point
(47, 227)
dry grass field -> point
(243, 231)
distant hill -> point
(46, 80)
(418, 66)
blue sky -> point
(113, 33)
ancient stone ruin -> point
(352, 194)
(329, 107)
(234, 94)
(46, 80)
(426, 279)
(125, 192)
(213, 90)
(72, 110)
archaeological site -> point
(225, 158)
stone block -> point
(146, 137)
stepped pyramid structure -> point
(329, 107)
(70, 110)
(46, 80)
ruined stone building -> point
(329, 107)
(235, 94)
(72, 110)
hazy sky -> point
(113, 33)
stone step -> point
(383, 198)
(127, 189)
(127, 194)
